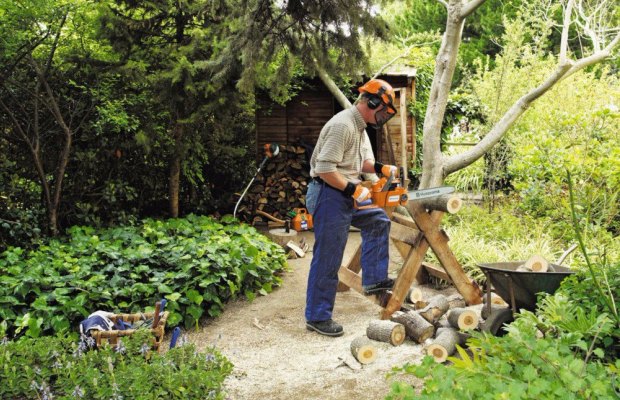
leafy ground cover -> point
(196, 263)
(57, 368)
(567, 349)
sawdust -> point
(275, 357)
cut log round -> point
(281, 236)
(437, 306)
(536, 263)
(414, 294)
(496, 300)
(463, 319)
(386, 331)
(363, 350)
(448, 203)
(416, 327)
(444, 344)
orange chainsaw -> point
(389, 192)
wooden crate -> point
(111, 337)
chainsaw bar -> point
(430, 192)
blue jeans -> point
(333, 214)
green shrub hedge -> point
(55, 368)
(196, 263)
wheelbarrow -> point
(516, 288)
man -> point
(342, 153)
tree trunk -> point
(432, 165)
(175, 172)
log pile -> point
(279, 188)
(437, 322)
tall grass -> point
(477, 236)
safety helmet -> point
(379, 92)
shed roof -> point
(400, 70)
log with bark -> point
(437, 306)
(463, 318)
(444, 344)
(448, 203)
(386, 331)
(456, 301)
(416, 327)
(536, 263)
(496, 300)
(363, 350)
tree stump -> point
(463, 319)
(363, 350)
(437, 306)
(386, 331)
(416, 327)
(444, 344)
(281, 236)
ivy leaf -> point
(173, 296)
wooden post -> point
(438, 241)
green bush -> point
(581, 289)
(51, 367)
(511, 367)
(196, 263)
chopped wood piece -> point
(495, 300)
(363, 350)
(463, 318)
(444, 344)
(536, 263)
(416, 327)
(456, 301)
(437, 306)
(386, 331)
(448, 203)
(414, 294)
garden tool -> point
(271, 150)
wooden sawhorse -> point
(413, 239)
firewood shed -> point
(300, 120)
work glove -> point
(361, 193)
(388, 170)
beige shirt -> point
(343, 146)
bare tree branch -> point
(459, 161)
(565, 27)
(594, 58)
(470, 8)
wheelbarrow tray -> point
(519, 288)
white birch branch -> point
(470, 7)
(459, 161)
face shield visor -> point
(383, 114)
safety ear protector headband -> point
(375, 99)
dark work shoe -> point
(327, 328)
(378, 287)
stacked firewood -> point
(279, 188)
